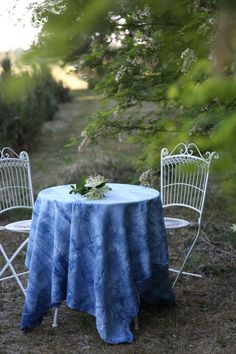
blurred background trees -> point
(27, 99)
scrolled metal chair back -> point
(184, 176)
(15, 180)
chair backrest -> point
(184, 176)
(15, 180)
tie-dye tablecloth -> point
(97, 256)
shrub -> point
(26, 101)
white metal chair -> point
(184, 179)
(15, 192)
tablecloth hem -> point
(107, 340)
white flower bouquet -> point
(92, 187)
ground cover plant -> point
(203, 321)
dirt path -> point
(50, 158)
(52, 163)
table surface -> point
(119, 194)
(97, 255)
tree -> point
(6, 66)
(179, 55)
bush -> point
(26, 101)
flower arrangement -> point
(92, 187)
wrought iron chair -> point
(15, 192)
(184, 179)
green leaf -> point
(79, 187)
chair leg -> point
(198, 273)
(8, 264)
(180, 271)
(186, 273)
(55, 317)
(14, 254)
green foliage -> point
(6, 66)
(26, 101)
(93, 187)
(178, 55)
(79, 187)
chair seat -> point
(19, 226)
(175, 223)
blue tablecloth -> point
(97, 255)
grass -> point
(204, 319)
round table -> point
(97, 255)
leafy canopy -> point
(179, 56)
